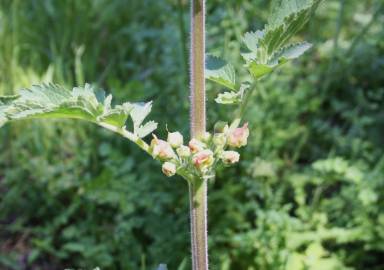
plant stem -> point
(198, 211)
(197, 68)
(198, 186)
(128, 135)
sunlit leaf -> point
(266, 49)
(138, 114)
(259, 70)
(290, 52)
(85, 103)
(232, 97)
(221, 72)
(228, 98)
(146, 129)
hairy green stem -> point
(198, 186)
(197, 68)
(245, 100)
(198, 211)
(128, 135)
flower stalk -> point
(198, 186)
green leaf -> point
(221, 72)
(54, 101)
(4, 100)
(3, 118)
(259, 70)
(288, 17)
(138, 114)
(228, 98)
(232, 97)
(289, 52)
(265, 50)
(146, 129)
(252, 39)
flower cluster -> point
(200, 155)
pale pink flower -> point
(230, 157)
(161, 149)
(169, 169)
(196, 145)
(239, 136)
(203, 159)
(175, 139)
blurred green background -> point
(307, 195)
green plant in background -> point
(70, 199)
(196, 163)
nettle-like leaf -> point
(289, 52)
(138, 114)
(267, 49)
(232, 97)
(221, 72)
(54, 101)
(228, 98)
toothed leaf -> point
(146, 129)
(259, 70)
(288, 17)
(221, 72)
(268, 48)
(54, 101)
(138, 114)
(228, 98)
(290, 52)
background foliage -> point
(308, 194)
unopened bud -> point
(175, 139)
(161, 149)
(219, 139)
(206, 137)
(230, 157)
(239, 136)
(169, 169)
(183, 151)
(221, 127)
(203, 159)
(196, 146)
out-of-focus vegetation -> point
(307, 195)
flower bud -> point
(221, 127)
(175, 139)
(169, 169)
(183, 151)
(196, 146)
(161, 149)
(206, 137)
(239, 136)
(219, 139)
(203, 159)
(230, 157)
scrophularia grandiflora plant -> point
(194, 159)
